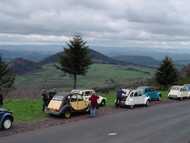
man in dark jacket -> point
(94, 103)
(45, 99)
(119, 95)
(1, 99)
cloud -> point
(151, 23)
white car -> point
(127, 91)
(178, 92)
(87, 93)
(134, 98)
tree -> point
(75, 59)
(166, 74)
(7, 77)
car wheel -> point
(7, 123)
(181, 98)
(159, 98)
(103, 103)
(147, 103)
(67, 114)
(131, 106)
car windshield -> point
(58, 98)
(175, 88)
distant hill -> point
(96, 58)
(29, 55)
(139, 60)
(23, 66)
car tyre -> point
(131, 106)
(67, 114)
(147, 103)
(159, 98)
(103, 103)
(7, 123)
(181, 98)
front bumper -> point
(51, 112)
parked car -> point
(87, 93)
(149, 92)
(6, 119)
(179, 92)
(134, 98)
(66, 105)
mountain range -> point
(23, 66)
(26, 61)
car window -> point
(146, 90)
(79, 98)
(136, 94)
(183, 89)
(87, 93)
(73, 98)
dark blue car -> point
(150, 92)
(6, 119)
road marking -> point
(112, 134)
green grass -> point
(25, 110)
(164, 94)
(98, 74)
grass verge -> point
(25, 110)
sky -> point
(120, 23)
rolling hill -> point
(139, 60)
(22, 66)
(97, 58)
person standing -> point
(45, 99)
(1, 99)
(51, 94)
(119, 95)
(94, 103)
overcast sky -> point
(125, 23)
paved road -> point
(166, 123)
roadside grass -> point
(164, 94)
(25, 110)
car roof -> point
(81, 90)
(143, 87)
(177, 86)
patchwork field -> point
(99, 74)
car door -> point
(184, 92)
(74, 102)
(81, 103)
(153, 94)
(137, 98)
(148, 92)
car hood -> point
(174, 92)
(3, 110)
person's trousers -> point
(93, 111)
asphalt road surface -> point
(165, 123)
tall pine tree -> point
(7, 77)
(75, 59)
(167, 73)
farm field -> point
(27, 110)
(99, 74)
